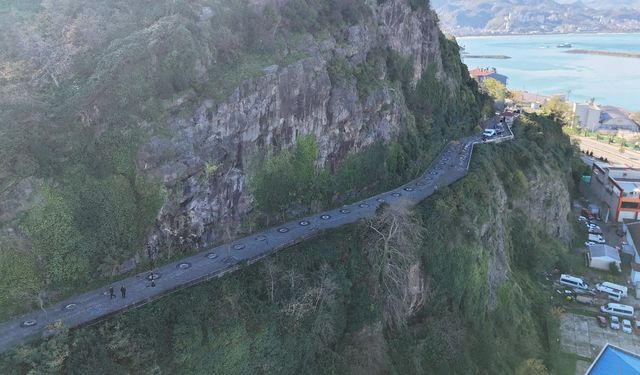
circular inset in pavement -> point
(183, 266)
(304, 223)
(408, 188)
(363, 205)
(29, 323)
(396, 195)
(71, 306)
(381, 200)
(238, 246)
(212, 255)
(261, 238)
(345, 211)
(153, 276)
(283, 230)
(325, 217)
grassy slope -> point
(241, 324)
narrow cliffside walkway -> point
(451, 165)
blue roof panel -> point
(614, 361)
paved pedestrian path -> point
(451, 165)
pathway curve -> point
(451, 165)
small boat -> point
(564, 45)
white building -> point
(588, 115)
(601, 256)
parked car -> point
(589, 243)
(573, 282)
(594, 228)
(602, 321)
(489, 133)
(615, 322)
(596, 238)
(637, 325)
(626, 326)
(618, 309)
(582, 219)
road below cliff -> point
(451, 165)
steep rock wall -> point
(204, 163)
(546, 202)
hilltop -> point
(525, 16)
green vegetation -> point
(494, 89)
(336, 304)
(84, 84)
(435, 114)
(407, 292)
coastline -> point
(503, 35)
(497, 57)
(633, 55)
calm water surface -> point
(538, 66)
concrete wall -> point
(608, 202)
(602, 263)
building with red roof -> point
(481, 74)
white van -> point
(596, 238)
(617, 309)
(613, 294)
(620, 289)
(574, 282)
(489, 132)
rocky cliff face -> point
(204, 164)
(547, 203)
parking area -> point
(583, 336)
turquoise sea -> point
(538, 66)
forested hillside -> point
(136, 132)
(453, 288)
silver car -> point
(626, 326)
(615, 322)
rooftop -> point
(613, 360)
(601, 250)
(482, 72)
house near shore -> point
(480, 74)
(603, 119)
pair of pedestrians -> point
(112, 293)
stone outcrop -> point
(204, 164)
(547, 202)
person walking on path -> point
(123, 290)
(112, 294)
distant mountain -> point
(599, 4)
(465, 17)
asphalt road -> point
(451, 165)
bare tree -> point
(271, 270)
(314, 298)
(395, 236)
